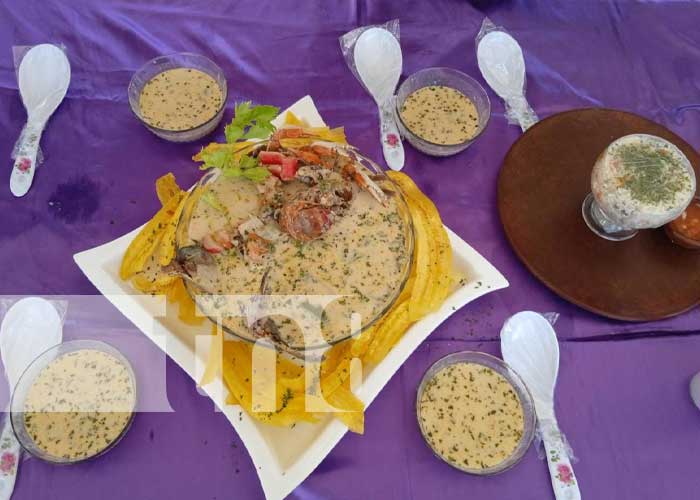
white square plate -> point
(283, 457)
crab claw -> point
(305, 221)
(256, 248)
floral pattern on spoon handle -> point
(560, 470)
(25, 159)
(9, 459)
(392, 147)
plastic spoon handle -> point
(9, 459)
(392, 147)
(562, 474)
(519, 109)
(25, 161)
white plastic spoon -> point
(502, 65)
(31, 326)
(695, 389)
(379, 60)
(44, 75)
(529, 345)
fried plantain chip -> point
(433, 263)
(167, 246)
(166, 188)
(159, 284)
(187, 309)
(351, 409)
(237, 375)
(148, 239)
(292, 119)
(425, 266)
(314, 134)
(213, 365)
(389, 332)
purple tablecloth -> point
(622, 397)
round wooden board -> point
(543, 181)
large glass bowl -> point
(382, 180)
(25, 382)
(500, 367)
(174, 61)
(447, 77)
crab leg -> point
(363, 180)
(351, 169)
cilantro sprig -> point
(249, 122)
(226, 160)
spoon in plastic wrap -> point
(502, 65)
(30, 327)
(379, 60)
(44, 75)
(529, 345)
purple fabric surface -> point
(623, 403)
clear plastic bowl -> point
(446, 77)
(499, 366)
(380, 177)
(25, 382)
(173, 61)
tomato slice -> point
(289, 168)
(270, 157)
(275, 170)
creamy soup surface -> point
(471, 416)
(79, 404)
(440, 114)
(180, 99)
(363, 259)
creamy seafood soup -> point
(287, 238)
(471, 416)
(79, 404)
